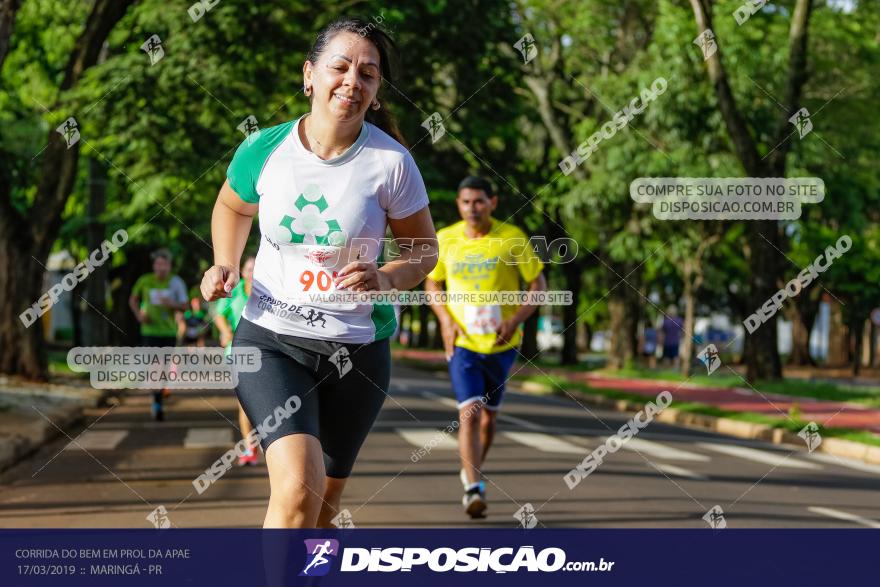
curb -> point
(26, 429)
(738, 428)
(16, 446)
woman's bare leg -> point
(296, 479)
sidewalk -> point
(827, 414)
(33, 413)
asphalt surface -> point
(118, 467)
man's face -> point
(161, 267)
(475, 207)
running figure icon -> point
(319, 559)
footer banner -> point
(209, 558)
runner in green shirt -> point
(155, 298)
(227, 316)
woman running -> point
(324, 185)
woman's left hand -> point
(363, 276)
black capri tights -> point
(340, 390)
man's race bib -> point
(156, 296)
(308, 271)
(482, 319)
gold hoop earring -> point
(376, 105)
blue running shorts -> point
(478, 375)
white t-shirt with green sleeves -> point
(310, 210)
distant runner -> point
(191, 325)
(155, 299)
(227, 316)
(481, 254)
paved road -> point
(126, 466)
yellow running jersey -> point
(493, 263)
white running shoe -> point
(474, 503)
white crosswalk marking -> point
(424, 437)
(98, 440)
(519, 421)
(759, 456)
(208, 438)
(443, 400)
(679, 471)
(841, 515)
(655, 450)
(545, 442)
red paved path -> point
(829, 414)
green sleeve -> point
(222, 307)
(137, 290)
(250, 158)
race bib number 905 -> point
(482, 319)
(311, 269)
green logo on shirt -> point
(310, 224)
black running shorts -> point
(338, 388)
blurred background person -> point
(226, 318)
(155, 299)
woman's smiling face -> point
(345, 79)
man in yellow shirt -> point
(481, 256)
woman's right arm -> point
(230, 227)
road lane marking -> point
(208, 438)
(544, 442)
(843, 462)
(832, 513)
(662, 451)
(759, 456)
(503, 417)
(521, 422)
(410, 424)
(424, 437)
(97, 440)
(154, 426)
(446, 401)
(680, 472)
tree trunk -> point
(21, 283)
(572, 274)
(856, 329)
(94, 325)
(624, 310)
(123, 327)
(588, 336)
(437, 341)
(872, 346)
(529, 347)
(25, 246)
(424, 316)
(687, 341)
(838, 341)
(762, 354)
(802, 311)
(8, 8)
